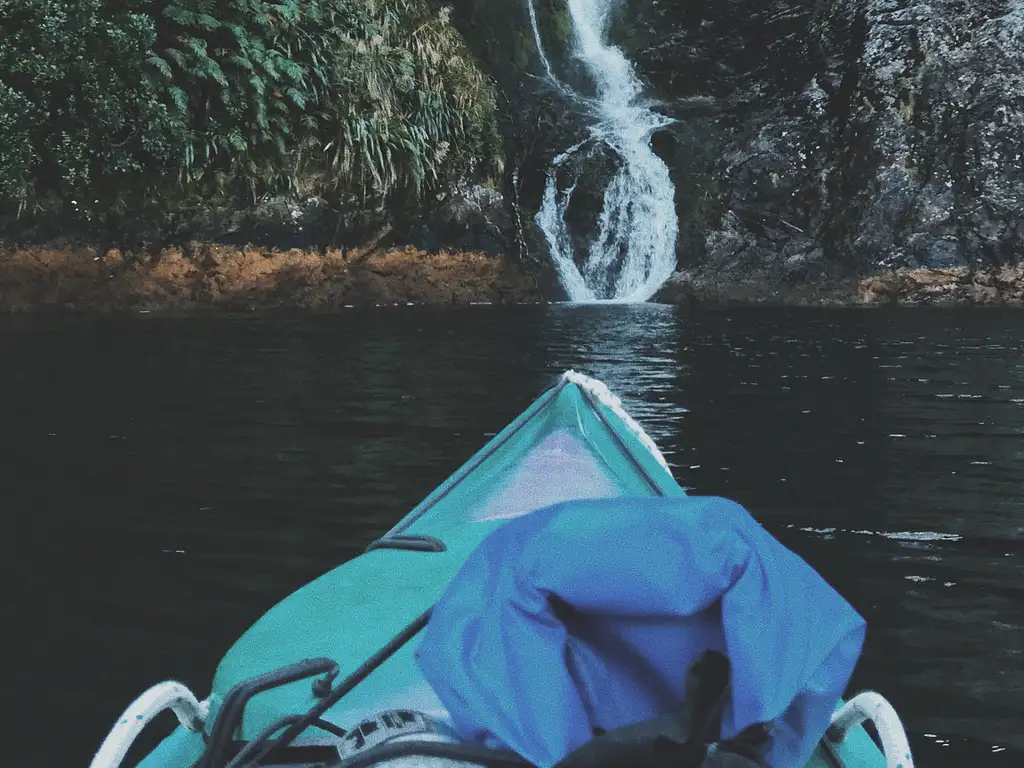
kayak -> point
(329, 676)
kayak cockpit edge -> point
(846, 744)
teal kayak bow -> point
(328, 676)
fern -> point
(197, 45)
(213, 71)
(179, 15)
(180, 98)
(205, 21)
(161, 66)
(244, 95)
(296, 97)
(239, 32)
(290, 70)
(177, 57)
(241, 61)
(268, 64)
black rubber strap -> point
(346, 685)
(410, 542)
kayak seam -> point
(604, 396)
(630, 455)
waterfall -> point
(633, 252)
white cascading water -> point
(633, 252)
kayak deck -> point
(564, 447)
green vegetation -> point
(115, 107)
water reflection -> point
(634, 349)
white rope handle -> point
(170, 695)
(873, 706)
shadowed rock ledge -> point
(959, 286)
(954, 287)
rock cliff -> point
(819, 141)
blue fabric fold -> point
(590, 613)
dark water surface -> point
(167, 480)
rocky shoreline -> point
(249, 278)
(225, 277)
(953, 287)
(958, 287)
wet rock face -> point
(941, 105)
(889, 135)
(817, 138)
